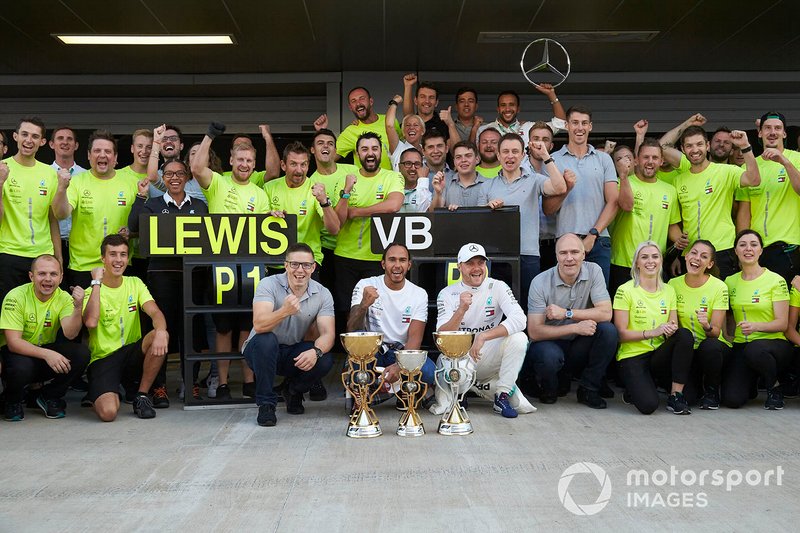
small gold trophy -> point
(412, 391)
(358, 378)
(455, 378)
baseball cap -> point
(470, 250)
(772, 114)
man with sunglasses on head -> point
(285, 306)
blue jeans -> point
(589, 354)
(529, 269)
(601, 254)
(268, 358)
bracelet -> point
(392, 102)
(554, 102)
(548, 161)
(747, 149)
(142, 196)
(326, 204)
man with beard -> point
(370, 191)
(488, 141)
(463, 188)
(425, 100)
(63, 142)
(32, 316)
(720, 145)
(361, 104)
(99, 201)
(772, 207)
(508, 112)
(27, 190)
(648, 211)
(295, 194)
(272, 168)
(234, 194)
(417, 194)
(467, 122)
(706, 192)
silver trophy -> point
(455, 377)
(412, 390)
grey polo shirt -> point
(549, 289)
(586, 200)
(317, 301)
(524, 192)
(457, 194)
(547, 223)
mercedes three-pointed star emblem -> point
(558, 67)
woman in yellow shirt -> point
(760, 308)
(653, 348)
(702, 305)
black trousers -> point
(770, 359)
(709, 360)
(670, 362)
(19, 371)
(13, 272)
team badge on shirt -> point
(48, 323)
(489, 309)
(756, 298)
(709, 189)
(303, 209)
(379, 194)
(251, 204)
(663, 307)
(406, 318)
(121, 201)
(704, 304)
(782, 175)
(131, 304)
(42, 188)
(664, 202)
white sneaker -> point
(213, 383)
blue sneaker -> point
(502, 406)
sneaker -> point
(52, 408)
(80, 385)
(14, 412)
(606, 391)
(213, 387)
(294, 401)
(774, 399)
(677, 404)
(502, 406)
(143, 406)
(266, 415)
(591, 398)
(196, 392)
(160, 398)
(249, 389)
(710, 399)
(317, 392)
(223, 392)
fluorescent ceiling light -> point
(145, 39)
(600, 36)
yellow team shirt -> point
(655, 207)
(711, 296)
(489, 172)
(118, 325)
(38, 321)
(129, 173)
(346, 143)
(354, 238)
(256, 178)
(706, 200)
(27, 195)
(794, 300)
(301, 202)
(752, 301)
(226, 195)
(646, 310)
(774, 206)
(99, 207)
(330, 181)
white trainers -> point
(213, 383)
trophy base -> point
(364, 432)
(410, 431)
(462, 428)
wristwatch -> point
(326, 204)
(96, 282)
(344, 195)
(594, 232)
(568, 314)
(319, 352)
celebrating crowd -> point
(660, 266)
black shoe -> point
(677, 404)
(710, 399)
(294, 401)
(317, 392)
(52, 408)
(591, 398)
(266, 415)
(143, 406)
(626, 398)
(14, 412)
(791, 387)
(85, 401)
(606, 391)
(774, 399)
(548, 398)
(248, 389)
(80, 385)
(160, 398)
(223, 392)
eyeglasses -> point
(179, 173)
(294, 265)
(171, 138)
(411, 164)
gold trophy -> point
(455, 378)
(358, 378)
(410, 363)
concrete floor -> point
(216, 470)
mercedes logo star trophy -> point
(361, 348)
(413, 388)
(455, 377)
(555, 67)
